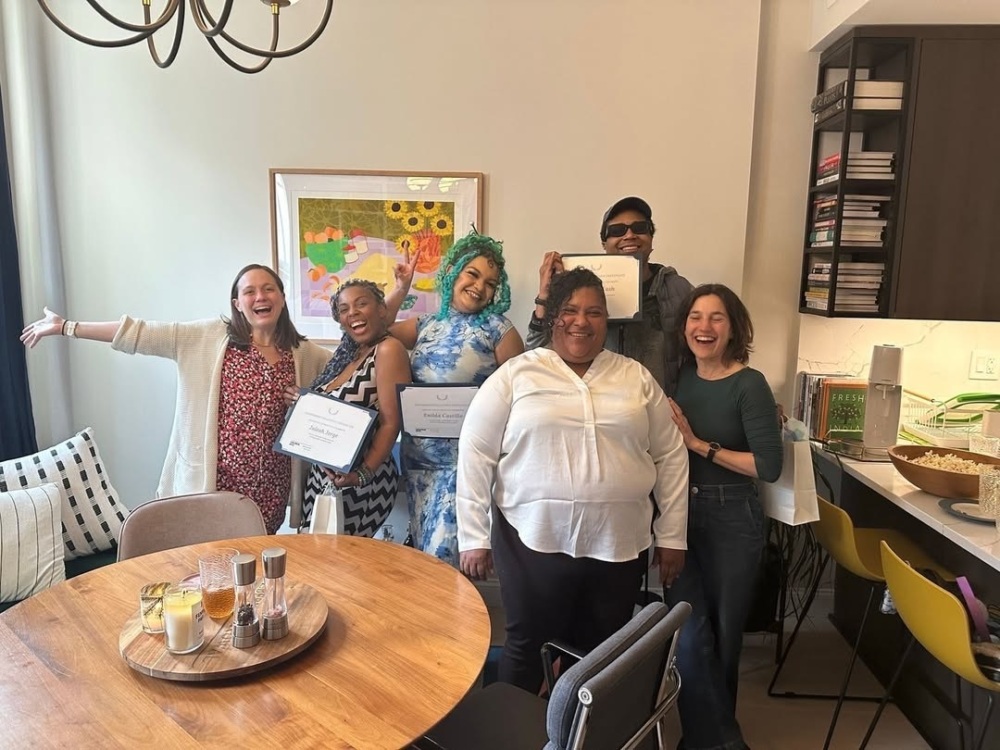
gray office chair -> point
(169, 522)
(614, 697)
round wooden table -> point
(406, 638)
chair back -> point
(169, 522)
(835, 532)
(934, 616)
(617, 694)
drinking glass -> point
(985, 444)
(989, 490)
(215, 569)
(151, 606)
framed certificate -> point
(325, 431)
(622, 281)
(434, 410)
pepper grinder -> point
(246, 625)
(275, 610)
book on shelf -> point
(867, 198)
(886, 103)
(869, 175)
(831, 406)
(862, 88)
(827, 112)
(845, 235)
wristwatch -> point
(713, 448)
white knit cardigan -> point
(198, 348)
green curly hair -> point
(467, 249)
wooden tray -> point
(217, 659)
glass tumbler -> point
(215, 569)
(985, 444)
(989, 490)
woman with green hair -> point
(464, 342)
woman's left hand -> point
(682, 424)
(670, 563)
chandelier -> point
(214, 30)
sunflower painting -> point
(332, 226)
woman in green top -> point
(727, 415)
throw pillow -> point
(31, 545)
(91, 513)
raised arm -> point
(54, 324)
(403, 273)
(537, 334)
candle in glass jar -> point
(183, 619)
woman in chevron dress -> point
(365, 371)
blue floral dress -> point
(459, 349)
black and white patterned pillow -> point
(92, 516)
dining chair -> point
(939, 622)
(856, 550)
(614, 697)
(169, 522)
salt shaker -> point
(246, 625)
(274, 613)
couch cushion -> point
(31, 545)
(91, 513)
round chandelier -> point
(213, 29)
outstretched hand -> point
(403, 272)
(50, 325)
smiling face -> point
(708, 330)
(361, 315)
(259, 299)
(581, 326)
(629, 242)
(475, 285)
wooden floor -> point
(816, 665)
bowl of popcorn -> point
(945, 472)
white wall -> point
(566, 105)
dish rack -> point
(946, 424)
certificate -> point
(621, 278)
(434, 410)
(325, 430)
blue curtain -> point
(17, 427)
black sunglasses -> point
(619, 230)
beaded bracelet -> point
(365, 475)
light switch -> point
(985, 365)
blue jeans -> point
(725, 544)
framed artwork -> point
(328, 226)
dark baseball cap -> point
(631, 203)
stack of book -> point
(861, 223)
(857, 286)
(832, 405)
(867, 95)
(861, 165)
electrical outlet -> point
(985, 365)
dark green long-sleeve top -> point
(739, 413)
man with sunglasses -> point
(627, 228)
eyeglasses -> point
(619, 230)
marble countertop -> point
(981, 540)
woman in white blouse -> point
(568, 444)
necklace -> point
(263, 346)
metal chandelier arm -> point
(106, 43)
(199, 12)
(273, 53)
(178, 30)
(146, 28)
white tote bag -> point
(792, 499)
(328, 512)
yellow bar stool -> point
(857, 551)
(939, 622)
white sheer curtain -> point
(24, 87)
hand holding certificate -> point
(434, 410)
(325, 431)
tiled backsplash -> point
(936, 354)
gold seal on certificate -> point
(434, 410)
(620, 275)
(325, 431)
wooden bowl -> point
(938, 481)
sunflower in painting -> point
(429, 208)
(441, 225)
(406, 243)
(396, 209)
(413, 221)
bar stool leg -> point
(888, 693)
(850, 669)
(795, 632)
(986, 722)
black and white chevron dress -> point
(365, 508)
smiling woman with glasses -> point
(627, 229)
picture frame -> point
(332, 225)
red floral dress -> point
(251, 412)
